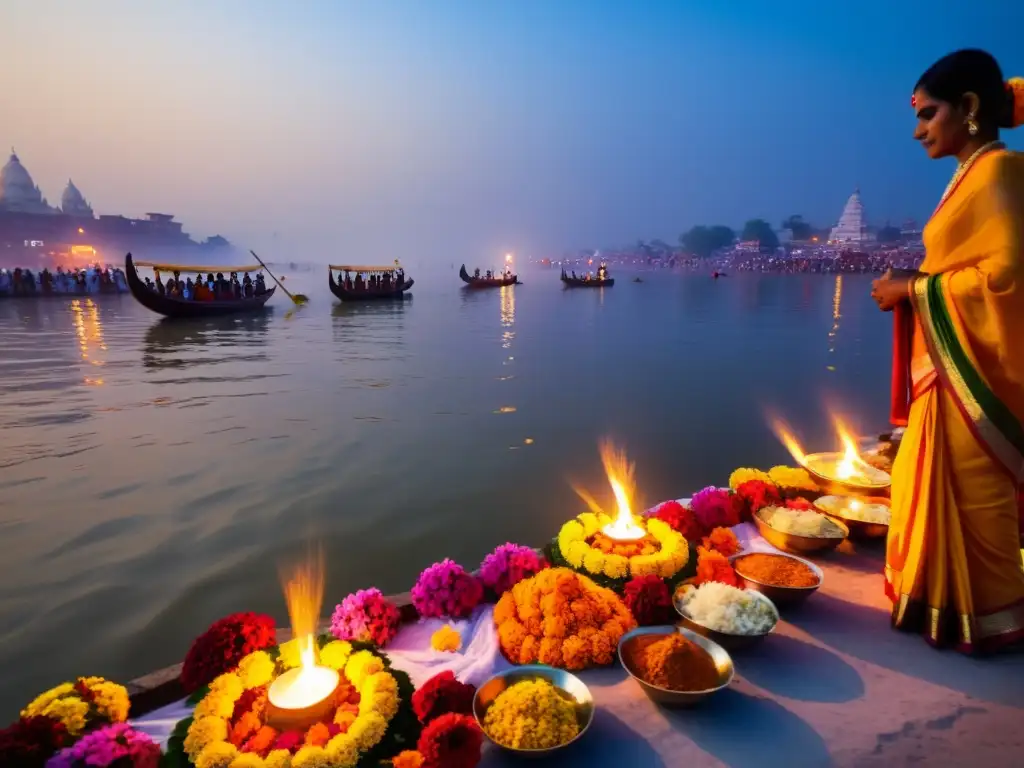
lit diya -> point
(303, 696)
(596, 544)
(867, 517)
(842, 472)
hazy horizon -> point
(456, 130)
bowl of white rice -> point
(734, 618)
(799, 530)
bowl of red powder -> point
(783, 578)
(674, 666)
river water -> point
(153, 475)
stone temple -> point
(851, 227)
(18, 193)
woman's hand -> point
(890, 291)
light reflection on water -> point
(152, 473)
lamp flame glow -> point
(310, 683)
(620, 473)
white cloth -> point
(479, 659)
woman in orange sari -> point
(953, 559)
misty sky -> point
(467, 127)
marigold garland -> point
(223, 645)
(574, 546)
(441, 695)
(562, 619)
(366, 616)
(85, 703)
(228, 729)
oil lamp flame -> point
(620, 475)
(309, 684)
(785, 435)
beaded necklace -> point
(965, 166)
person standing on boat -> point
(953, 562)
(247, 286)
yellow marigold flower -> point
(247, 760)
(379, 693)
(311, 757)
(408, 759)
(368, 730)
(336, 654)
(743, 474)
(531, 715)
(644, 565)
(256, 669)
(343, 751)
(229, 684)
(573, 530)
(447, 640)
(590, 524)
(202, 732)
(217, 754)
(216, 704)
(616, 566)
(70, 710)
(40, 702)
(361, 665)
(593, 561)
(279, 758)
(289, 654)
(577, 551)
(659, 529)
(792, 477)
(110, 699)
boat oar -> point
(298, 298)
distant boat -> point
(172, 306)
(637, 280)
(580, 282)
(486, 282)
(394, 290)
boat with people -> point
(205, 297)
(600, 280)
(489, 280)
(369, 283)
(23, 283)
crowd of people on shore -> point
(24, 283)
(806, 262)
(209, 288)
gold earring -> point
(972, 126)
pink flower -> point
(366, 616)
(446, 590)
(118, 743)
(509, 564)
(715, 508)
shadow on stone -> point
(743, 730)
(788, 667)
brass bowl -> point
(664, 696)
(727, 640)
(859, 528)
(567, 684)
(831, 485)
(780, 595)
(791, 542)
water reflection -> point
(370, 331)
(508, 315)
(184, 343)
(89, 329)
(837, 301)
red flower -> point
(648, 599)
(441, 695)
(31, 741)
(757, 494)
(799, 503)
(223, 645)
(289, 740)
(253, 700)
(451, 741)
(680, 519)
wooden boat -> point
(486, 282)
(579, 282)
(172, 306)
(394, 291)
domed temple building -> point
(31, 229)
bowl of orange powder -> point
(674, 666)
(782, 578)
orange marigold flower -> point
(723, 541)
(714, 566)
(261, 741)
(344, 719)
(575, 653)
(505, 609)
(246, 726)
(408, 759)
(550, 652)
(318, 735)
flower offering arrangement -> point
(507, 565)
(446, 590)
(223, 645)
(366, 616)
